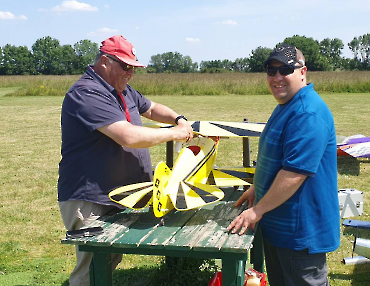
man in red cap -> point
(104, 145)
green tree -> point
(216, 66)
(258, 58)
(241, 65)
(16, 61)
(86, 52)
(332, 50)
(171, 62)
(354, 46)
(45, 52)
(187, 65)
(360, 47)
(311, 50)
(66, 61)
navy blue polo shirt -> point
(93, 164)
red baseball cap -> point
(121, 48)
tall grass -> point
(193, 84)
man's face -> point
(119, 74)
(283, 88)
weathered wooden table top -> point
(200, 230)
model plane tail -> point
(134, 196)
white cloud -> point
(192, 40)
(74, 6)
(104, 32)
(229, 22)
(6, 16)
(11, 16)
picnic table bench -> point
(199, 233)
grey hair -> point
(99, 55)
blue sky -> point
(202, 29)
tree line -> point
(48, 57)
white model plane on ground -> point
(194, 181)
(356, 146)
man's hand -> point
(248, 196)
(185, 131)
(247, 218)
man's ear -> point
(103, 61)
(303, 73)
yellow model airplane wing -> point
(228, 129)
(220, 128)
(134, 196)
(234, 176)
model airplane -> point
(356, 146)
(361, 246)
(194, 181)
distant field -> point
(194, 84)
(30, 249)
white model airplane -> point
(194, 181)
(356, 146)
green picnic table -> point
(199, 233)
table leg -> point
(101, 269)
(246, 152)
(169, 154)
(233, 272)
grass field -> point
(31, 227)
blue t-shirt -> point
(300, 137)
(93, 164)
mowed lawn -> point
(30, 223)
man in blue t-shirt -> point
(104, 145)
(295, 192)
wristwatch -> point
(179, 117)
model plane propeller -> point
(356, 146)
(194, 181)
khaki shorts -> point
(75, 215)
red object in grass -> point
(217, 278)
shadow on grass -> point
(179, 272)
(359, 277)
(348, 166)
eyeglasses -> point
(124, 66)
(283, 70)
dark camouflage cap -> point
(285, 54)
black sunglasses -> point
(283, 70)
(124, 66)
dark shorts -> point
(286, 267)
